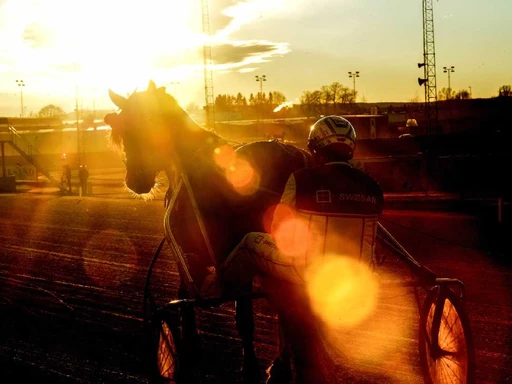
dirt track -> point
(71, 288)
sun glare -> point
(108, 41)
(291, 236)
(243, 177)
(239, 172)
(343, 291)
(95, 266)
(224, 156)
(358, 329)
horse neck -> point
(193, 155)
(210, 189)
(195, 144)
(183, 140)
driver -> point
(329, 208)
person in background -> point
(66, 178)
(83, 175)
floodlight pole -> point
(21, 84)
(261, 79)
(353, 76)
(449, 70)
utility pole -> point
(21, 84)
(77, 114)
(208, 76)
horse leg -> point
(283, 361)
(244, 319)
(281, 369)
(188, 317)
(302, 336)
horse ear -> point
(151, 86)
(160, 89)
(118, 100)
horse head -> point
(141, 128)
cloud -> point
(39, 35)
(246, 11)
(247, 52)
(226, 56)
(247, 70)
(218, 19)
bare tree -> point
(347, 95)
(463, 94)
(446, 94)
(337, 92)
(311, 101)
(505, 91)
(240, 101)
(260, 98)
(51, 111)
(326, 95)
(278, 97)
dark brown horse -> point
(235, 190)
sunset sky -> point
(298, 44)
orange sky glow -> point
(58, 47)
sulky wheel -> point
(171, 354)
(445, 339)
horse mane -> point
(156, 104)
(154, 116)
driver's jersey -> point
(334, 210)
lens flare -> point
(343, 291)
(268, 216)
(243, 177)
(291, 237)
(383, 341)
(224, 156)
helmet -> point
(333, 134)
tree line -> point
(264, 104)
(333, 97)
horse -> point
(236, 187)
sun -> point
(119, 42)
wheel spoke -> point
(448, 361)
(166, 355)
(454, 374)
(449, 331)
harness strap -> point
(199, 217)
(169, 236)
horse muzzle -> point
(140, 183)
